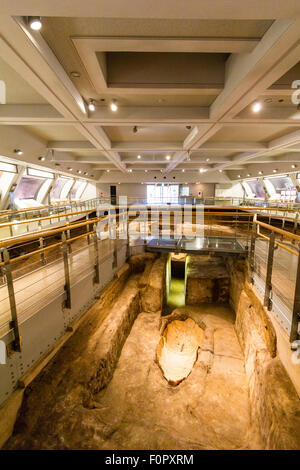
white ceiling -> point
(184, 78)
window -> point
(58, 186)
(162, 194)
(256, 188)
(184, 191)
(28, 188)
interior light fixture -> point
(79, 172)
(114, 106)
(146, 171)
(220, 171)
(139, 157)
(275, 171)
(42, 159)
(248, 174)
(70, 169)
(18, 152)
(260, 172)
(35, 22)
(208, 159)
(183, 171)
(256, 107)
(85, 173)
(130, 170)
(293, 166)
(202, 170)
(91, 105)
(168, 157)
(239, 176)
(107, 171)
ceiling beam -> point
(230, 10)
(138, 115)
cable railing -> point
(273, 258)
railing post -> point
(295, 226)
(268, 285)
(115, 256)
(252, 248)
(87, 228)
(96, 255)
(12, 301)
(295, 332)
(67, 287)
(41, 242)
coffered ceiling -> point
(184, 77)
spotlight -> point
(146, 171)
(183, 171)
(79, 172)
(18, 152)
(248, 174)
(208, 159)
(70, 169)
(293, 166)
(130, 170)
(274, 171)
(91, 105)
(201, 170)
(114, 106)
(35, 22)
(239, 176)
(107, 171)
(139, 157)
(260, 172)
(256, 107)
(42, 159)
(220, 171)
(168, 157)
(85, 173)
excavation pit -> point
(177, 350)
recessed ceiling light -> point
(139, 157)
(35, 22)
(79, 171)
(168, 157)
(91, 105)
(42, 159)
(75, 74)
(18, 152)
(114, 106)
(256, 107)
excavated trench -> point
(205, 376)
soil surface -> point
(139, 409)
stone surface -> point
(139, 409)
(207, 280)
(152, 295)
(138, 262)
(275, 405)
(177, 350)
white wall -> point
(89, 192)
(140, 190)
(229, 190)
